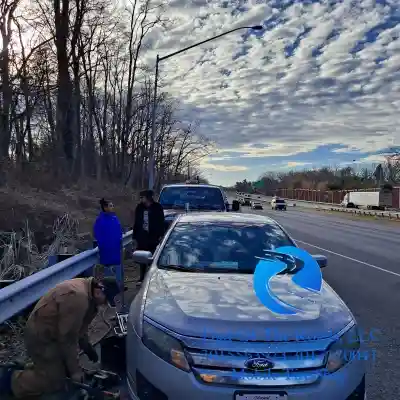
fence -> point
(333, 197)
(20, 295)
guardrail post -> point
(53, 259)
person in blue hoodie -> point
(108, 234)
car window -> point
(227, 246)
(207, 198)
(280, 201)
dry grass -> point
(11, 342)
(42, 208)
(20, 256)
(39, 215)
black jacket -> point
(148, 240)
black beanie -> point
(148, 193)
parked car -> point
(256, 205)
(278, 204)
(197, 330)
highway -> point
(364, 269)
(327, 206)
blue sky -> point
(318, 86)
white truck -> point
(379, 200)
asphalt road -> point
(364, 269)
(309, 204)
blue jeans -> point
(115, 271)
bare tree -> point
(7, 10)
(76, 97)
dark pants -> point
(151, 247)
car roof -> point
(191, 185)
(225, 217)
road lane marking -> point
(350, 258)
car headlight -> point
(164, 346)
(344, 350)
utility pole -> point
(152, 161)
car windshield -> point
(280, 201)
(211, 246)
(200, 198)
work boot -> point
(6, 372)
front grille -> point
(229, 368)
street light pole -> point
(152, 166)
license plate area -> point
(261, 396)
(122, 321)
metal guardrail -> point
(19, 295)
(378, 214)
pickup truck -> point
(183, 198)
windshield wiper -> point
(208, 269)
(181, 268)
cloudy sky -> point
(318, 86)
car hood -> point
(226, 306)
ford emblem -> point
(258, 364)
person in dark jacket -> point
(108, 234)
(149, 227)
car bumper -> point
(147, 373)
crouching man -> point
(55, 330)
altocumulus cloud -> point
(322, 73)
(223, 168)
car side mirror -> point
(235, 205)
(142, 257)
(321, 260)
